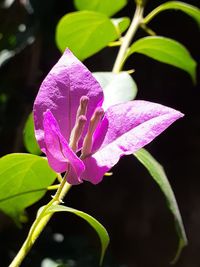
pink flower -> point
(70, 121)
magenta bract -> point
(69, 120)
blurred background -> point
(129, 203)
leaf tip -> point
(104, 250)
(182, 243)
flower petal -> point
(61, 91)
(125, 129)
(60, 156)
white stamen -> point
(88, 140)
(77, 132)
(82, 109)
(80, 123)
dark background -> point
(129, 204)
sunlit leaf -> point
(6, 3)
(24, 179)
(107, 7)
(165, 50)
(5, 55)
(29, 137)
(190, 10)
(158, 174)
(99, 228)
(117, 87)
(49, 263)
(85, 33)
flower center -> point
(80, 124)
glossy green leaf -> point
(85, 33)
(29, 137)
(99, 228)
(158, 174)
(117, 87)
(121, 24)
(107, 7)
(24, 179)
(165, 50)
(190, 10)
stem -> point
(147, 30)
(53, 187)
(137, 18)
(40, 222)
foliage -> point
(95, 30)
(25, 178)
(101, 231)
(158, 174)
(29, 137)
(167, 51)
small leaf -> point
(121, 24)
(190, 10)
(5, 55)
(158, 174)
(99, 228)
(29, 137)
(24, 179)
(165, 50)
(117, 87)
(107, 7)
(85, 33)
(47, 262)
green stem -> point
(147, 30)
(53, 187)
(137, 18)
(40, 222)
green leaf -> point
(85, 33)
(24, 179)
(29, 137)
(165, 50)
(107, 7)
(117, 87)
(158, 174)
(190, 10)
(99, 228)
(121, 24)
